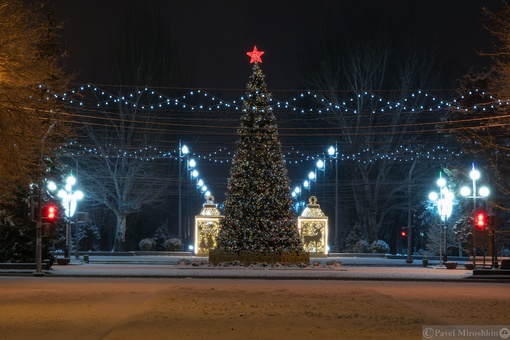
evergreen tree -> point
(352, 242)
(258, 206)
(160, 237)
(89, 237)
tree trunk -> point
(120, 233)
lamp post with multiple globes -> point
(69, 200)
(474, 194)
(444, 202)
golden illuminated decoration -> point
(207, 225)
(312, 209)
(313, 229)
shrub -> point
(379, 246)
(146, 244)
(173, 244)
(361, 246)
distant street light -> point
(296, 192)
(183, 151)
(311, 178)
(321, 167)
(333, 153)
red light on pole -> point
(403, 232)
(50, 213)
(481, 220)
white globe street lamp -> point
(320, 165)
(52, 186)
(311, 176)
(192, 163)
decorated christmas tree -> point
(258, 207)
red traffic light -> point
(403, 232)
(481, 220)
(50, 213)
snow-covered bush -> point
(361, 246)
(173, 244)
(146, 244)
(379, 246)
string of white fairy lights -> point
(223, 155)
(159, 100)
(89, 96)
(106, 99)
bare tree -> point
(367, 66)
(121, 175)
(481, 122)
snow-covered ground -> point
(351, 272)
(167, 308)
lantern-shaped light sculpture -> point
(313, 229)
(207, 227)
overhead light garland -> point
(223, 155)
(429, 103)
(90, 97)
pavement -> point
(351, 268)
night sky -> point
(215, 35)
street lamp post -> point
(193, 173)
(482, 193)
(321, 167)
(69, 202)
(38, 227)
(444, 202)
(296, 194)
(311, 178)
(333, 152)
(306, 185)
(183, 151)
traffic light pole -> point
(38, 227)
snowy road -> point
(169, 308)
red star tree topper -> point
(255, 55)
